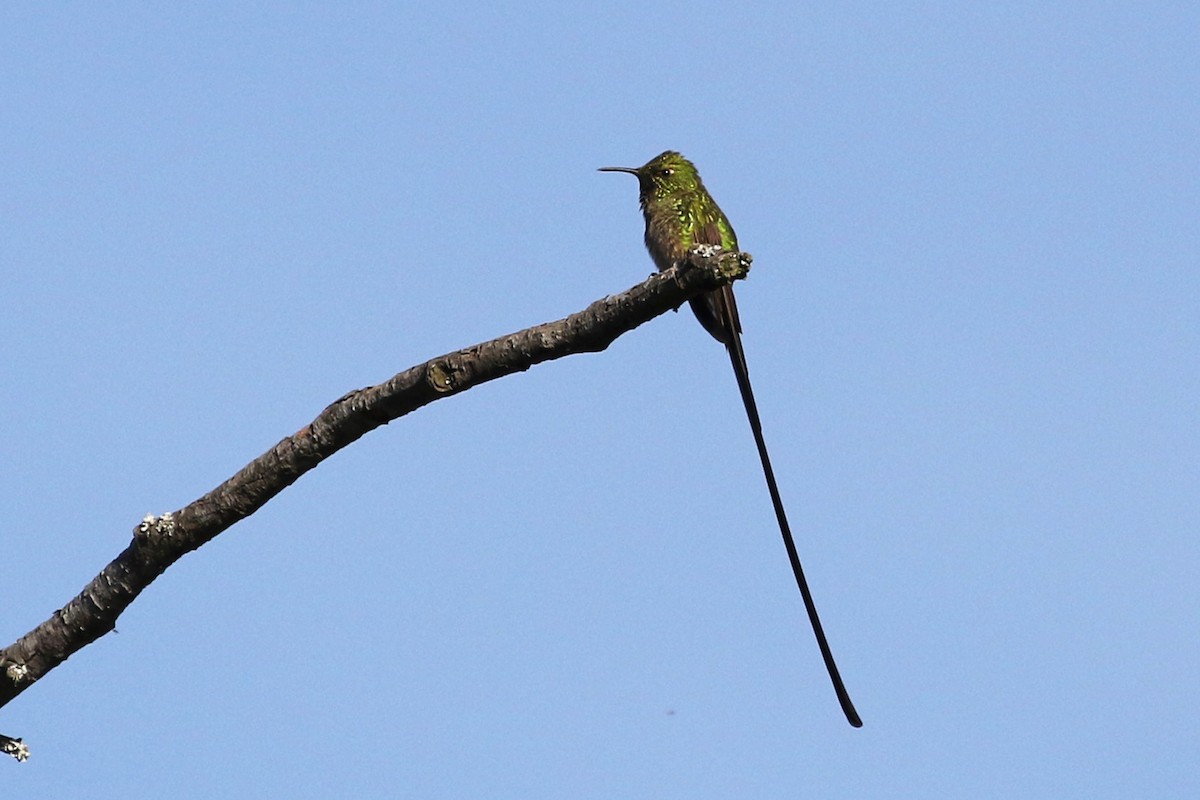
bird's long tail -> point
(738, 358)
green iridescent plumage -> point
(680, 214)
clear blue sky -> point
(972, 325)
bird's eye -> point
(666, 171)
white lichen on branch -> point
(155, 527)
(16, 672)
(14, 747)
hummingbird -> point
(680, 214)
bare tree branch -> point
(158, 542)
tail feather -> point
(724, 304)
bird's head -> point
(666, 175)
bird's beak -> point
(630, 170)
